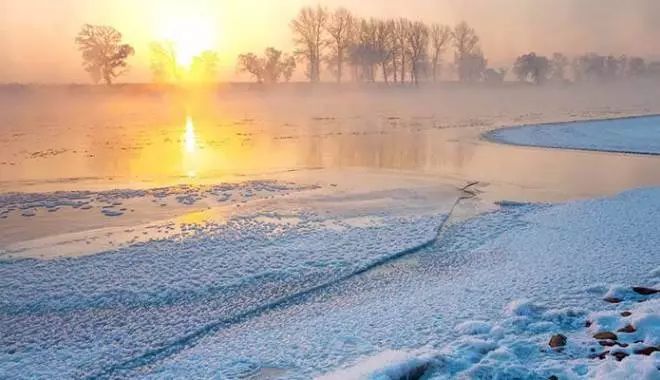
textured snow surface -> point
(629, 135)
(258, 298)
(111, 202)
(74, 317)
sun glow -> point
(190, 35)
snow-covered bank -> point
(616, 342)
(555, 255)
(626, 135)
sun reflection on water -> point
(190, 149)
(189, 138)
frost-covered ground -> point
(627, 135)
(261, 298)
(328, 260)
(555, 256)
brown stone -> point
(606, 343)
(644, 291)
(605, 335)
(557, 340)
(612, 299)
(646, 351)
(626, 314)
(619, 355)
(627, 329)
(600, 356)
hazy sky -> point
(36, 36)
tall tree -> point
(466, 43)
(104, 55)
(308, 28)
(340, 28)
(440, 38)
(383, 46)
(363, 54)
(401, 31)
(418, 42)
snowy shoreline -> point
(592, 135)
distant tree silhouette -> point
(468, 53)
(558, 65)
(532, 67)
(593, 67)
(288, 67)
(269, 68)
(308, 28)
(472, 66)
(440, 38)
(204, 67)
(636, 67)
(494, 76)
(341, 30)
(104, 56)
(164, 65)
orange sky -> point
(36, 36)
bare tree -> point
(401, 31)
(418, 42)
(164, 65)
(440, 38)
(466, 43)
(308, 30)
(250, 63)
(383, 47)
(363, 54)
(340, 27)
(102, 52)
(269, 68)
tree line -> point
(348, 47)
(392, 51)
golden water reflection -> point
(190, 152)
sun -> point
(191, 35)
